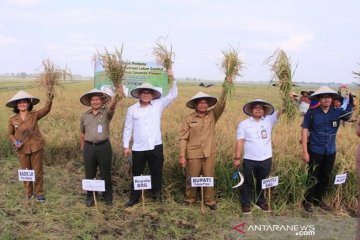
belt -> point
(97, 143)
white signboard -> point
(93, 185)
(202, 182)
(270, 182)
(26, 175)
(142, 182)
(340, 178)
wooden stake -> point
(202, 200)
(269, 198)
(143, 199)
(94, 196)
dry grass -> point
(64, 216)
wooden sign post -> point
(94, 186)
(268, 183)
(26, 176)
(142, 183)
(202, 182)
(340, 179)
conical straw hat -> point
(200, 95)
(22, 95)
(145, 86)
(324, 90)
(85, 99)
(269, 109)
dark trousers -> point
(257, 170)
(320, 168)
(155, 160)
(99, 156)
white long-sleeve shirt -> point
(144, 123)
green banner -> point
(136, 74)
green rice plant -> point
(283, 77)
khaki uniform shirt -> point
(197, 134)
(27, 130)
(96, 127)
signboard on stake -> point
(340, 178)
(93, 185)
(136, 73)
(269, 182)
(26, 175)
(142, 182)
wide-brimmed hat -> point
(85, 99)
(200, 95)
(268, 108)
(145, 86)
(324, 90)
(303, 92)
(20, 95)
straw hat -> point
(303, 92)
(85, 99)
(200, 95)
(324, 90)
(145, 86)
(269, 109)
(19, 96)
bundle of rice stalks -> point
(231, 65)
(113, 65)
(357, 75)
(51, 76)
(164, 56)
(283, 78)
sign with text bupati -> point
(26, 175)
(269, 182)
(202, 182)
(142, 182)
(136, 73)
(93, 185)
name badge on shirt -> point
(99, 129)
(334, 124)
(263, 134)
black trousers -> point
(155, 160)
(99, 156)
(320, 168)
(258, 170)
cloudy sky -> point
(321, 36)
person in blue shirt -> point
(318, 137)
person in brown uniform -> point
(24, 133)
(94, 140)
(358, 171)
(197, 143)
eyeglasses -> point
(258, 108)
(146, 92)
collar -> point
(253, 119)
(139, 106)
(101, 110)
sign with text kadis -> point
(93, 185)
(26, 175)
(202, 182)
(142, 182)
(269, 182)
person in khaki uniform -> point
(197, 143)
(94, 139)
(24, 133)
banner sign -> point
(93, 185)
(340, 178)
(269, 182)
(202, 182)
(26, 175)
(136, 73)
(142, 182)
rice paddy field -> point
(65, 216)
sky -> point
(321, 37)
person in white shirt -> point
(254, 139)
(143, 123)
